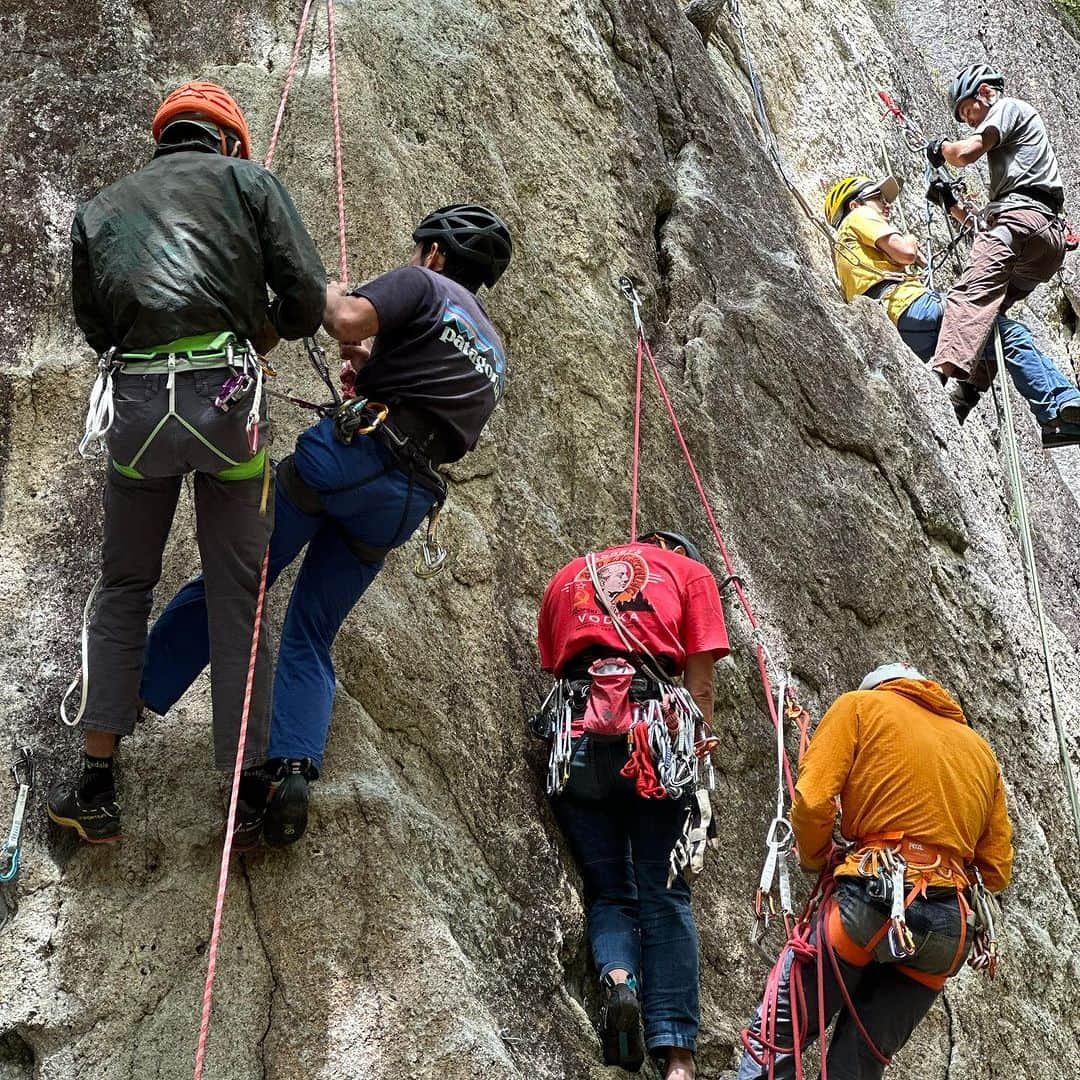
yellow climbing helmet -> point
(856, 187)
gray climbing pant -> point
(149, 460)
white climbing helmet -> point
(887, 672)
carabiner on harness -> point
(433, 555)
(101, 411)
(358, 416)
(22, 769)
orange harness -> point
(920, 861)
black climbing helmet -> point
(471, 233)
(669, 540)
(966, 84)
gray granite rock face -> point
(430, 923)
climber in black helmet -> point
(1023, 243)
(418, 342)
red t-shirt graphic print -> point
(668, 602)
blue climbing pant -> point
(1033, 373)
(367, 498)
(621, 844)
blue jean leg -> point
(178, 647)
(669, 942)
(1035, 376)
(601, 850)
(621, 844)
(330, 582)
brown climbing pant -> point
(1022, 249)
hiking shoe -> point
(97, 821)
(1065, 435)
(286, 813)
(620, 1025)
(963, 397)
(1069, 413)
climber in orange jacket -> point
(923, 802)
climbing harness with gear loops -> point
(22, 769)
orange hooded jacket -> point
(903, 760)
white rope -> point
(84, 672)
(1027, 550)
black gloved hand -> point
(940, 193)
(934, 154)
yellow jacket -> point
(903, 760)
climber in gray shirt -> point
(1023, 243)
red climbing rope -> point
(223, 876)
(335, 100)
(226, 854)
(637, 438)
(301, 30)
(338, 167)
(643, 349)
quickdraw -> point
(773, 897)
(984, 949)
(433, 555)
(22, 769)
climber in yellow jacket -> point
(874, 258)
(923, 802)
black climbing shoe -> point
(250, 808)
(286, 813)
(964, 397)
(1069, 413)
(97, 821)
(620, 1025)
(1064, 435)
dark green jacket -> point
(187, 245)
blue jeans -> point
(621, 844)
(1033, 373)
(367, 497)
(889, 1004)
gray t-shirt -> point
(1023, 158)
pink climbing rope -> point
(290, 75)
(226, 854)
(338, 167)
(637, 440)
(643, 349)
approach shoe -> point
(1063, 435)
(286, 813)
(620, 1025)
(97, 821)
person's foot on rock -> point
(680, 1064)
(287, 811)
(620, 1022)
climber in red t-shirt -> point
(619, 625)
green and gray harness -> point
(203, 352)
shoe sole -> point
(622, 1030)
(72, 823)
(286, 816)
